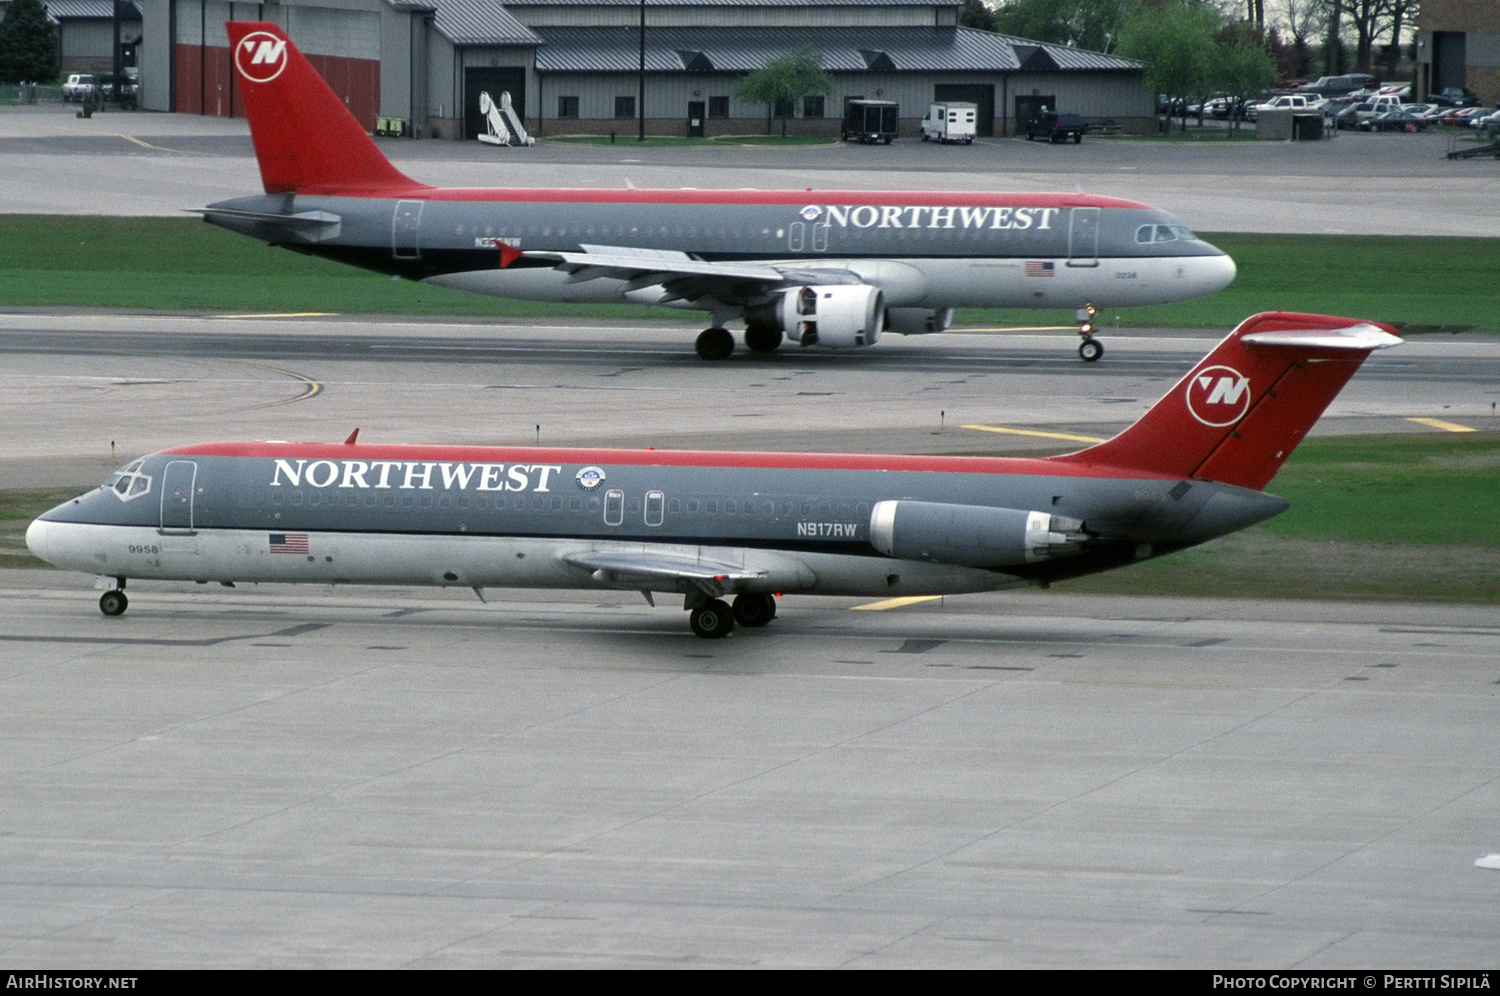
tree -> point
(1370, 19)
(1307, 20)
(1175, 40)
(1243, 66)
(1086, 24)
(785, 80)
(28, 44)
(976, 14)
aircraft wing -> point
(632, 569)
(683, 276)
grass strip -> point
(183, 264)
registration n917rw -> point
(711, 526)
(825, 269)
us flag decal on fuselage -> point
(1035, 268)
(288, 542)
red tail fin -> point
(1247, 405)
(305, 138)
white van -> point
(950, 122)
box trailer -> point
(870, 121)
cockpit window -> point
(129, 482)
(1163, 233)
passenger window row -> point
(653, 506)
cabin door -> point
(1083, 237)
(405, 224)
(177, 486)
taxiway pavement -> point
(1368, 184)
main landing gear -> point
(1090, 349)
(762, 338)
(114, 602)
(715, 344)
(713, 619)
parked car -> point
(1462, 115)
(1454, 97)
(1490, 118)
(1055, 127)
(1399, 119)
(79, 86)
(1349, 117)
(1337, 86)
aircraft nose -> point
(36, 539)
(1218, 272)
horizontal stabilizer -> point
(309, 226)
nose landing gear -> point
(1090, 349)
(114, 602)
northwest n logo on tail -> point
(1218, 396)
(260, 56)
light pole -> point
(640, 100)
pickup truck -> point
(79, 86)
(1055, 127)
(1285, 102)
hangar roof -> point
(81, 9)
(478, 22)
(894, 49)
(733, 3)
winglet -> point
(352, 437)
(305, 138)
(1243, 409)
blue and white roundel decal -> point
(590, 478)
(811, 212)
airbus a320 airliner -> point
(831, 269)
(713, 525)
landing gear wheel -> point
(1090, 350)
(113, 603)
(762, 338)
(754, 610)
(715, 344)
(713, 620)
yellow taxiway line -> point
(1437, 423)
(1034, 432)
(894, 603)
(282, 314)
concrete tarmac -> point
(406, 778)
(84, 393)
(121, 163)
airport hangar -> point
(572, 66)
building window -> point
(812, 106)
(567, 107)
(624, 107)
(783, 109)
(718, 107)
